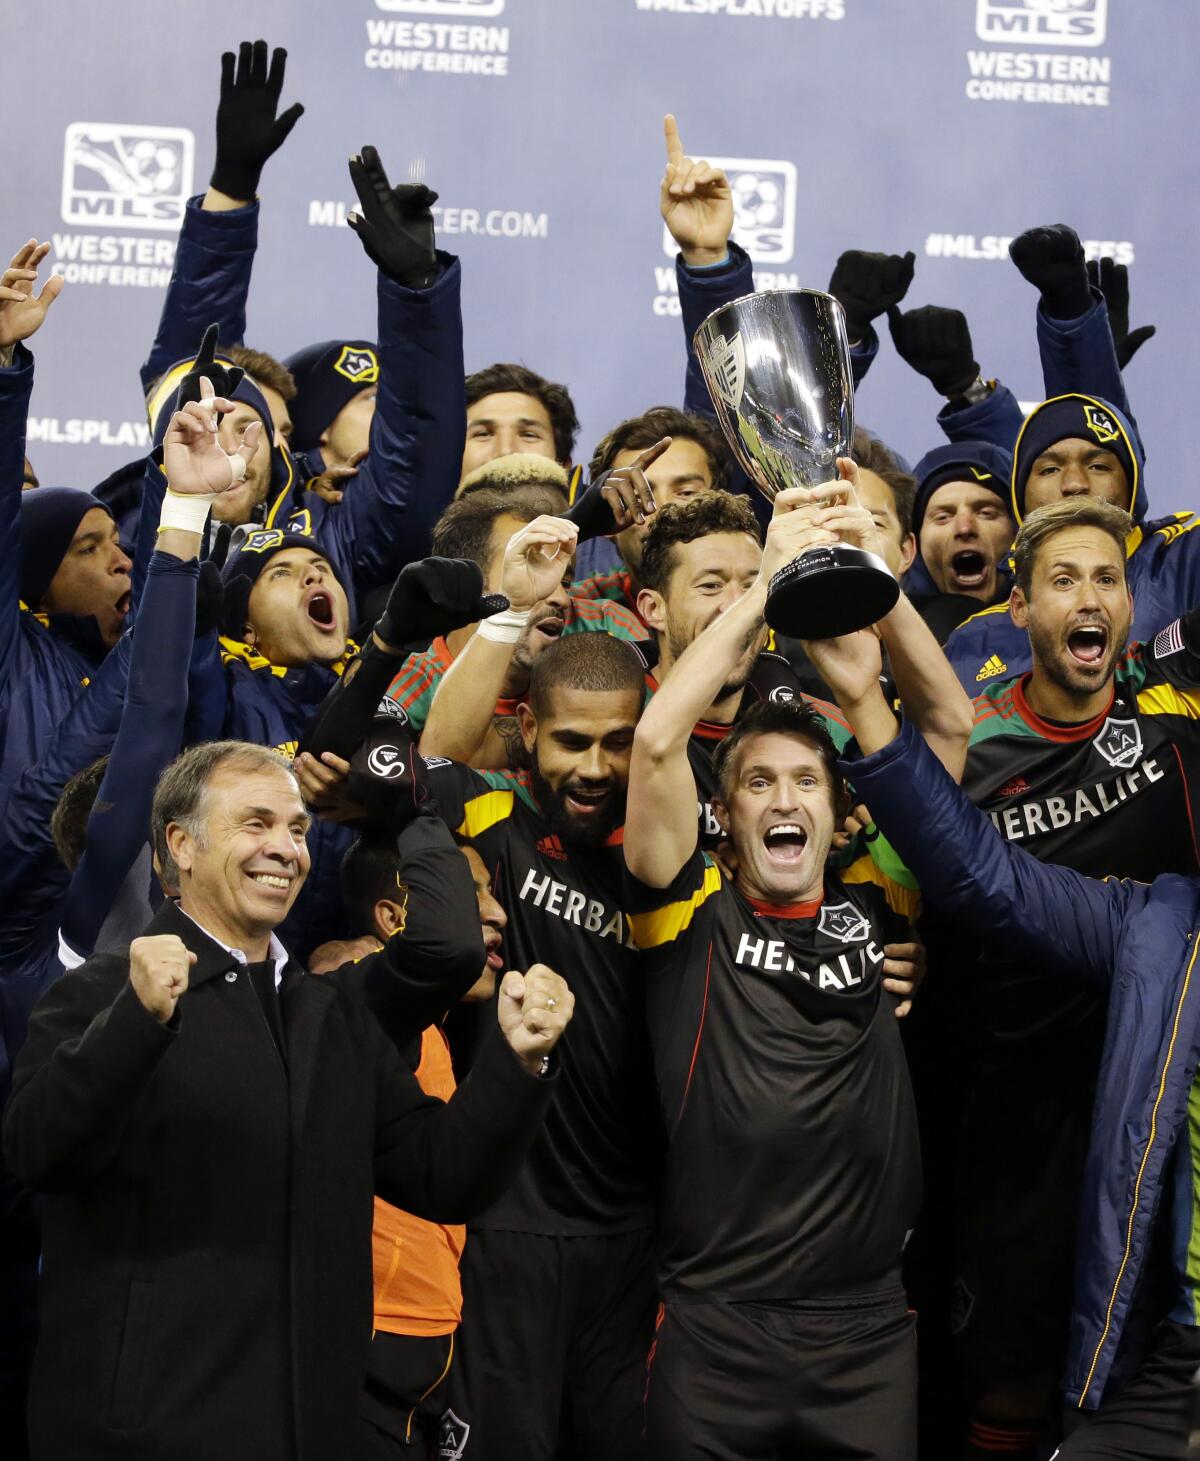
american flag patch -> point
(1168, 641)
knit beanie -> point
(1086, 417)
(328, 376)
(250, 550)
(961, 461)
(50, 517)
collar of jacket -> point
(211, 958)
(232, 649)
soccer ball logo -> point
(126, 174)
(757, 201)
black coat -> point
(206, 1286)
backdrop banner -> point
(941, 126)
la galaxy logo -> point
(260, 540)
(385, 762)
(843, 922)
(725, 367)
(452, 1437)
(115, 172)
(1120, 743)
(358, 364)
(1101, 424)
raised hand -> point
(936, 342)
(248, 129)
(533, 1010)
(22, 311)
(158, 970)
(435, 596)
(536, 559)
(696, 203)
(1051, 258)
(224, 379)
(395, 225)
(617, 499)
(195, 462)
(1112, 280)
(866, 285)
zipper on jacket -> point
(1137, 1186)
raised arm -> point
(965, 867)
(386, 515)
(460, 725)
(660, 822)
(214, 257)
(21, 315)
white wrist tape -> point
(505, 627)
(188, 512)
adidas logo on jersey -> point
(1018, 786)
(991, 666)
(550, 846)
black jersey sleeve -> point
(475, 805)
(659, 916)
(1173, 658)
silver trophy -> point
(777, 365)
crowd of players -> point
(460, 984)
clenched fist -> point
(158, 971)
(534, 1009)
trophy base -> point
(830, 591)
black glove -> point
(388, 777)
(433, 597)
(1051, 258)
(210, 599)
(866, 285)
(1112, 280)
(395, 225)
(248, 131)
(591, 513)
(224, 378)
(936, 342)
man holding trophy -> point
(793, 1170)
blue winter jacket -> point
(42, 668)
(419, 428)
(1141, 942)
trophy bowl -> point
(777, 366)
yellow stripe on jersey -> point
(905, 901)
(482, 812)
(1167, 700)
(661, 925)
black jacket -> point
(206, 1286)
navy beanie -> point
(328, 376)
(250, 550)
(961, 461)
(50, 517)
(1087, 417)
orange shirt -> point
(417, 1287)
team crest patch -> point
(393, 709)
(261, 540)
(358, 364)
(1101, 424)
(386, 762)
(452, 1437)
(1120, 743)
(843, 922)
(726, 368)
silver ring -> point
(551, 1002)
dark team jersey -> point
(595, 1167)
(771, 678)
(793, 1168)
(1111, 797)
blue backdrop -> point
(944, 126)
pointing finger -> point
(652, 453)
(674, 145)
